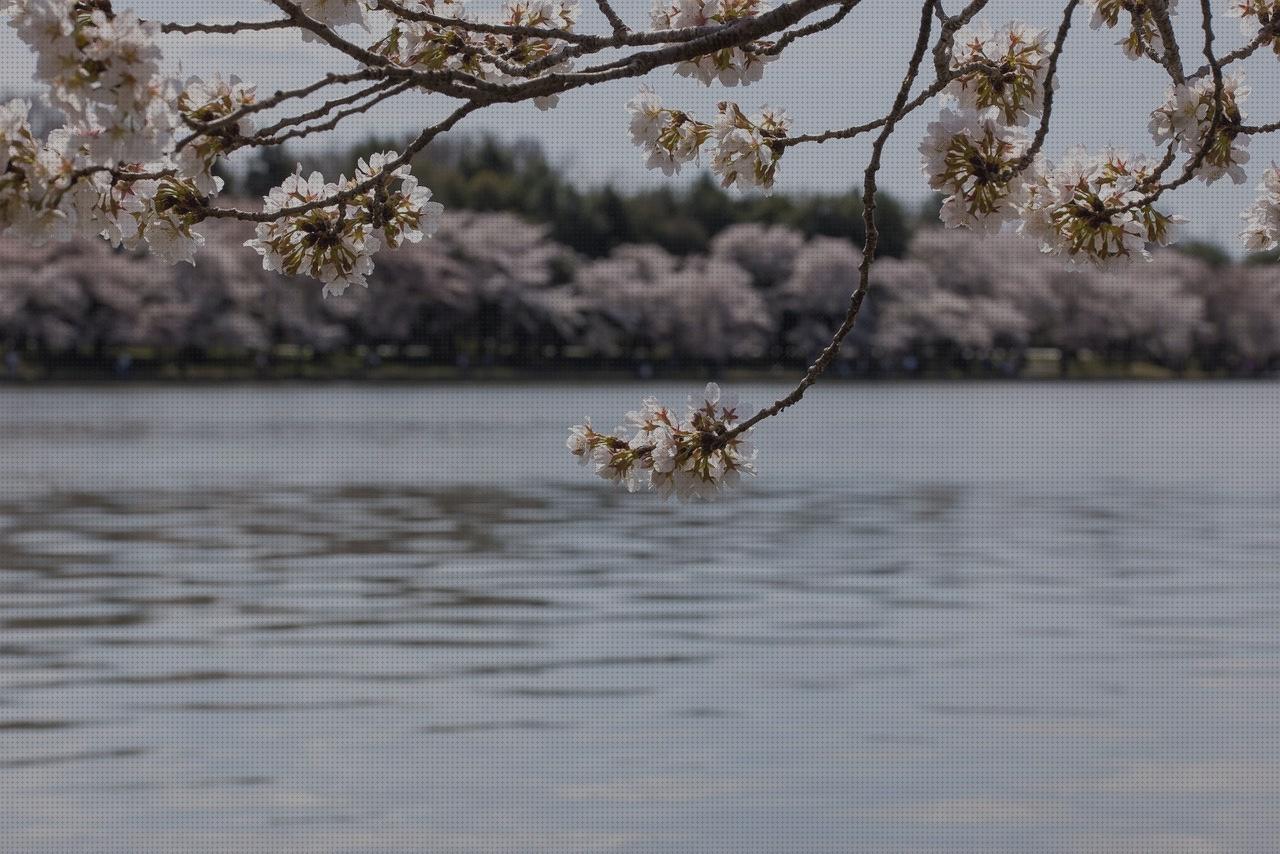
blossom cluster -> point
(670, 137)
(730, 66)
(103, 73)
(136, 160)
(110, 169)
(345, 223)
(1144, 37)
(1186, 119)
(160, 210)
(1095, 207)
(974, 159)
(217, 109)
(745, 149)
(694, 457)
(1262, 221)
(1260, 18)
(493, 57)
(1008, 70)
(1088, 208)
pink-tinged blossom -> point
(103, 72)
(766, 253)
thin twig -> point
(828, 355)
(1215, 121)
(335, 119)
(1046, 109)
(421, 142)
(1265, 35)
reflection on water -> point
(963, 618)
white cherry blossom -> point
(695, 457)
(973, 159)
(335, 13)
(209, 104)
(325, 242)
(731, 66)
(1143, 38)
(336, 242)
(670, 138)
(1186, 117)
(1262, 221)
(1090, 209)
(746, 153)
(1014, 63)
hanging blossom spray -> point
(694, 457)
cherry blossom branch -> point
(138, 159)
(788, 38)
(828, 355)
(1267, 33)
(322, 110)
(1273, 127)
(380, 92)
(518, 30)
(923, 98)
(1215, 118)
(1042, 132)
(227, 29)
(952, 24)
(1172, 56)
(420, 142)
(619, 26)
(707, 40)
(236, 116)
(327, 35)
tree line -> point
(484, 174)
(494, 289)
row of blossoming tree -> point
(492, 290)
(135, 160)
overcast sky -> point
(835, 79)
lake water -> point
(944, 618)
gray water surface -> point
(944, 618)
